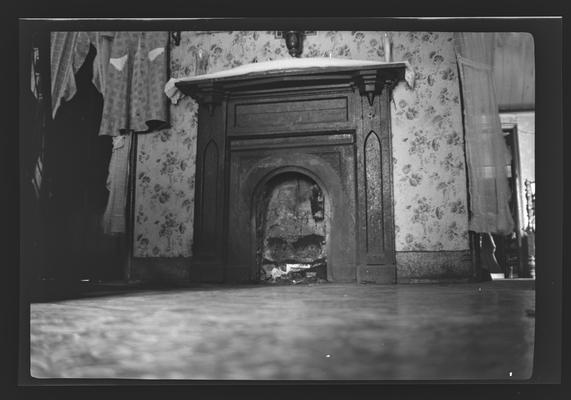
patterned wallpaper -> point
(429, 172)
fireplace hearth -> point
(294, 176)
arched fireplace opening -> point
(292, 230)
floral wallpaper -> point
(429, 171)
(165, 188)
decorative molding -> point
(209, 94)
(267, 143)
(372, 82)
(369, 79)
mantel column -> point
(209, 247)
(374, 168)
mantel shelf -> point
(274, 74)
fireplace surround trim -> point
(337, 199)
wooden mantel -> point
(370, 81)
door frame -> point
(518, 193)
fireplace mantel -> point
(370, 80)
(331, 124)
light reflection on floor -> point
(322, 331)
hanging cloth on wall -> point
(114, 217)
(102, 42)
(486, 149)
(135, 68)
(68, 51)
(134, 82)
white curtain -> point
(486, 150)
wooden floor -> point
(316, 332)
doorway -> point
(509, 248)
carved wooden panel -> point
(209, 197)
(375, 187)
(292, 115)
(374, 198)
(210, 188)
(298, 112)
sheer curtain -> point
(486, 150)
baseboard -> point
(161, 269)
(411, 267)
(238, 274)
(434, 266)
(185, 269)
(381, 274)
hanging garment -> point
(102, 42)
(68, 51)
(133, 101)
(135, 78)
(117, 183)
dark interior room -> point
(280, 205)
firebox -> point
(291, 230)
(294, 175)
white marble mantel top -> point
(287, 64)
